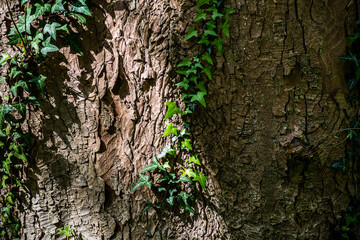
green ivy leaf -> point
(201, 15)
(23, 2)
(210, 25)
(4, 58)
(170, 130)
(192, 33)
(225, 28)
(2, 79)
(4, 110)
(36, 40)
(144, 180)
(207, 57)
(194, 159)
(184, 84)
(81, 7)
(201, 179)
(170, 200)
(39, 82)
(149, 167)
(209, 32)
(172, 110)
(186, 144)
(183, 178)
(165, 151)
(48, 47)
(20, 83)
(166, 165)
(57, 7)
(148, 205)
(51, 29)
(204, 40)
(41, 9)
(216, 14)
(79, 17)
(199, 97)
(202, 2)
(185, 63)
(219, 44)
(207, 71)
(63, 28)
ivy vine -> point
(37, 31)
(178, 165)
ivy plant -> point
(178, 165)
(36, 32)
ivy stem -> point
(12, 19)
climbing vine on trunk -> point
(178, 165)
(40, 29)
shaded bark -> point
(276, 92)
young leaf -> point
(186, 144)
(201, 179)
(199, 97)
(194, 159)
(192, 33)
(170, 129)
(172, 110)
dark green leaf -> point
(39, 82)
(210, 32)
(148, 205)
(41, 9)
(202, 2)
(225, 28)
(201, 15)
(216, 14)
(72, 41)
(208, 58)
(204, 40)
(185, 63)
(192, 33)
(63, 28)
(57, 7)
(48, 47)
(81, 7)
(199, 97)
(207, 71)
(219, 44)
(51, 29)
(79, 17)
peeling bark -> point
(277, 91)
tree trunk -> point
(277, 92)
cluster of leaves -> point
(33, 35)
(348, 164)
(69, 231)
(178, 177)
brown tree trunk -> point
(277, 92)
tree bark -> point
(277, 92)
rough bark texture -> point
(277, 89)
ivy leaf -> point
(36, 40)
(148, 205)
(204, 40)
(20, 83)
(192, 33)
(225, 28)
(170, 129)
(4, 110)
(149, 168)
(48, 47)
(39, 82)
(202, 2)
(184, 84)
(170, 200)
(72, 41)
(51, 29)
(166, 165)
(201, 15)
(201, 179)
(172, 110)
(144, 180)
(79, 17)
(165, 151)
(183, 178)
(194, 159)
(199, 97)
(208, 32)
(210, 25)
(4, 58)
(185, 63)
(81, 7)
(219, 44)
(23, 2)
(207, 71)
(2, 79)
(57, 7)
(201, 87)
(216, 14)
(41, 9)
(186, 144)
(207, 57)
